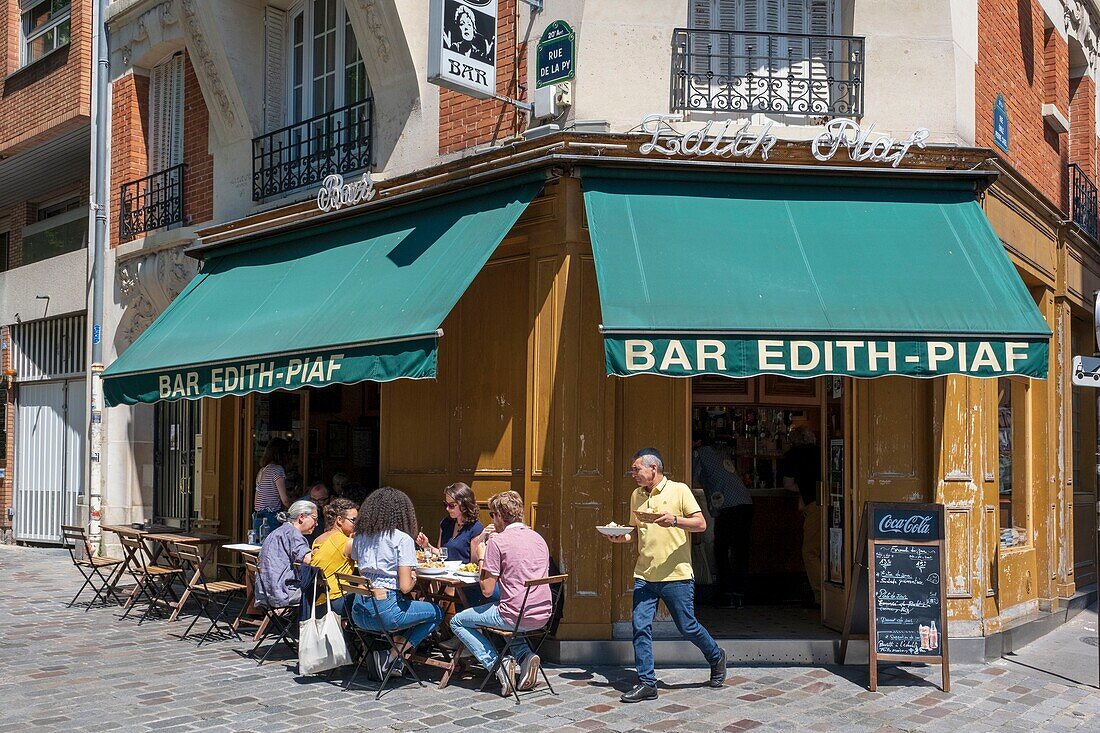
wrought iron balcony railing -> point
(777, 73)
(302, 154)
(1083, 199)
(151, 203)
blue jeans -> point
(258, 518)
(463, 623)
(396, 613)
(679, 597)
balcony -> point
(302, 154)
(745, 72)
(152, 202)
(1083, 198)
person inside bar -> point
(800, 469)
(331, 552)
(271, 488)
(385, 553)
(339, 483)
(731, 506)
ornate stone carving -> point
(167, 16)
(147, 284)
(127, 55)
(204, 57)
(1083, 27)
(377, 30)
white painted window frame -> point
(25, 40)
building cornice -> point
(567, 149)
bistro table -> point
(444, 590)
(160, 545)
(133, 564)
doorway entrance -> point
(781, 443)
(177, 430)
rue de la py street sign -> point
(556, 54)
(1000, 123)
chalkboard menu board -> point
(897, 596)
(907, 600)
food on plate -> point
(433, 564)
(470, 567)
(611, 524)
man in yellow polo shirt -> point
(663, 571)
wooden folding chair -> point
(277, 622)
(208, 594)
(91, 567)
(153, 581)
(356, 585)
(534, 637)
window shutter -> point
(274, 68)
(823, 22)
(166, 115)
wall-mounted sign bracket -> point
(535, 4)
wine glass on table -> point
(443, 554)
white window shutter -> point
(823, 17)
(166, 115)
(274, 68)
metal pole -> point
(100, 123)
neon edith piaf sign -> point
(732, 140)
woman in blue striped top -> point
(271, 495)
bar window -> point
(44, 28)
(1012, 461)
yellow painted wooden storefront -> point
(522, 402)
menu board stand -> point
(898, 583)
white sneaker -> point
(529, 672)
(506, 675)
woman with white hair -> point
(277, 584)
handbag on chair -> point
(321, 644)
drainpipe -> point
(100, 123)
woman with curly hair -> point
(384, 551)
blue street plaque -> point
(557, 51)
(1000, 123)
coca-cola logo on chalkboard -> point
(915, 524)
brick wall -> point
(130, 143)
(1082, 124)
(129, 149)
(12, 220)
(198, 183)
(1019, 58)
(464, 121)
(50, 96)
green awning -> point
(741, 275)
(361, 299)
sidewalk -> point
(67, 669)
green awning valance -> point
(741, 275)
(361, 299)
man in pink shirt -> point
(508, 558)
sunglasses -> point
(450, 504)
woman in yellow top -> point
(330, 554)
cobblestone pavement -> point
(71, 670)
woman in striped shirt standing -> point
(271, 494)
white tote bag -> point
(321, 643)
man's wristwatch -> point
(674, 522)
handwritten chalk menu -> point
(907, 599)
(896, 600)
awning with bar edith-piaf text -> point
(360, 299)
(741, 275)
